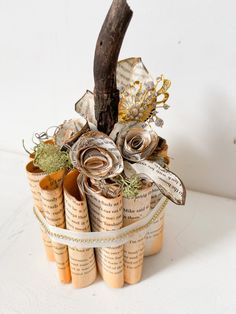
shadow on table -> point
(205, 221)
(191, 231)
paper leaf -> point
(167, 182)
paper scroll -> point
(134, 209)
(154, 236)
(34, 175)
(82, 261)
(107, 214)
(53, 206)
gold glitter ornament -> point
(140, 101)
(137, 102)
(163, 90)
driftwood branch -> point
(105, 60)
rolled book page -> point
(82, 261)
(154, 236)
(53, 206)
(106, 214)
(34, 175)
(135, 208)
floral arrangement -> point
(100, 196)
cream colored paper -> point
(106, 214)
(168, 183)
(34, 175)
(85, 107)
(135, 209)
(82, 261)
(53, 206)
(136, 141)
(69, 132)
(96, 155)
(154, 236)
(131, 70)
(128, 71)
(101, 239)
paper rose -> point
(137, 142)
(68, 132)
(97, 156)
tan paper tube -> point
(82, 261)
(34, 175)
(154, 236)
(106, 214)
(53, 206)
(135, 208)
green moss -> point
(49, 158)
(130, 186)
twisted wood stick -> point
(105, 61)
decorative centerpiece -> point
(101, 182)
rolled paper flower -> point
(97, 156)
(160, 153)
(107, 188)
(68, 132)
(137, 142)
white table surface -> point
(195, 273)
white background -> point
(46, 60)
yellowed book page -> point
(131, 70)
(53, 206)
(135, 209)
(82, 261)
(154, 236)
(106, 214)
(34, 175)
